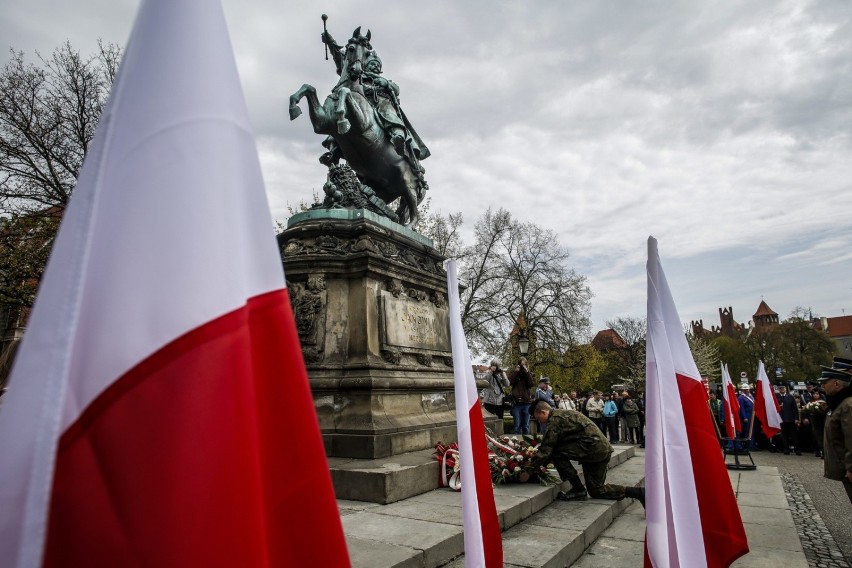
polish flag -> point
(732, 405)
(692, 516)
(159, 413)
(766, 406)
(483, 545)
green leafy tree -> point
(793, 346)
(801, 349)
(764, 346)
(25, 244)
(735, 354)
(579, 368)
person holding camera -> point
(522, 384)
(492, 396)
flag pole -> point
(751, 424)
(713, 418)
(692, 514)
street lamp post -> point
(523, 344)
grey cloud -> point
(721, 128)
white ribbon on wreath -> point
(454, 482)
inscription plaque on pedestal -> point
(413, 325)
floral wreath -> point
(510, 460)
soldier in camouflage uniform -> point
(572, 436)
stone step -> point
(426, 530)
(764, 508)
(384, 480)
(557, 535)
(390, 479)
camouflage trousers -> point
(595, 475)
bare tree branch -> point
(48, 115)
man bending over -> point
(572, 436)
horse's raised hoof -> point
(343, 126)
(295, 112)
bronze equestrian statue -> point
(365, 126)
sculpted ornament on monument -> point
(366, 127)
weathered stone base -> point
(400, 476)
(388, 444)
(370, 299)
(385, 480)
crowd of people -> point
(816, 420)
(619, 415)
(802, 415)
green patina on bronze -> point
(365, 126)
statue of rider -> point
(383, 95)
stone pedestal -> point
(370, 301)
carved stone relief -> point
(398, 289)
(412, 325)
(392, 356)
(327, 244)
(308, 300)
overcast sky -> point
(723, 129)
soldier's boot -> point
(637, 493)
(577, 493)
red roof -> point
(764, 310)
(840, 326)
(608, 339)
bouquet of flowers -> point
(510, 460)
(816, 407)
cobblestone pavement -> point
(819, 546)
(821, 510)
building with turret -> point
(764, 318)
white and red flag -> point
(483, 545)
(692, 515)
(731, 405)
(159, 413)
(766, 407)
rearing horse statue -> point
(349, 117)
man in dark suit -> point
(789, 416)
(746, 402)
